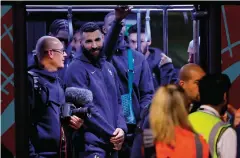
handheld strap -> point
(130, 71)
(147, 27)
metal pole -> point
(22, 108)
(139, 31)
(106, 6)
(196, 41)
(101, 10)
(165, 31)
(214, 55)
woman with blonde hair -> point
(173, 133)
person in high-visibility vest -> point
(222, 139)
(171, 128)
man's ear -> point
(181, 83)
(104, 29)
(50, 54)
(103, 36)
(149, 43)
(225, 99)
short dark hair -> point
(76, 26)
(108, 15)
(133, 29)
(57, 25)
(212, 88)
(89, 27)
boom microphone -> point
(78, 96)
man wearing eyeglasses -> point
(59, 28)
(46, 96)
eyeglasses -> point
(62, 51)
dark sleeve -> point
(121, 123)
(146, 88)
(111, 39)
(32, 153)
(168, 74)
(78, 78)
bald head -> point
(47, 43)
(50, 53)
(189, 76)
(108, 21)
(187, 71)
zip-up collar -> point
(98, 64)
(209, 110)
(122, 47)
(52, 76)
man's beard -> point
(89, 53)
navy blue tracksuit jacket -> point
(116, 53)
(142, 85)
(143, 89)
(161, 75)
(106, 109)
(45, 133)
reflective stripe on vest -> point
(212, 135)
(210, 127)
(199, 148)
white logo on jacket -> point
(93, 72)
(110, 72)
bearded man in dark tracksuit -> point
(46, 96)
(104, 132)
(116, 51)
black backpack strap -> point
(33, 80)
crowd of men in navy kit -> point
(94, 100)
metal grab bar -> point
(165, 31)
(105, 8)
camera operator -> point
(46, 96)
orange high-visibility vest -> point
(188, 145)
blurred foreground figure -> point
(214, 96)
(46, 96)
(172, 131)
